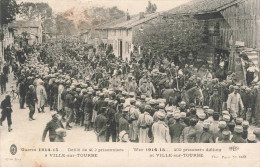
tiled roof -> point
(202, 6)
(21, 23)
(122, 23)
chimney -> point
(141, 15)
(127, 16)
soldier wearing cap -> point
(144, 123)
(54, 95)
(234, 102)
(87, 106)
(161, 110)
(123, 121)
(199, 125)
(133, 117)
(30, 101)
(239, 121)
(176, 129)
(95, 100)
(111, 123)
(225, 137)
(189, 133)
(245, 126)
(69, 104)
(118, 115)
(205, 136)
(51, 126)
(215, 101)
(60, 102)
(100, 103)
(210, 115)
(251, 139)
(160, 130)
(222, 126)
(77, 104)
(214, 126)
(101, 125)
(41, 96)
(131, 85)
(237, 137)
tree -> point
(101, 15)
(33, 11)
(9, 9)
(29, 10)
(180, 36)
(64, 26)
(151, 8)
(69, 21)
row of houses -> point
(234, 27)
(119, 33)
(19, 33)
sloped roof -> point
(202, 6)
(22, 23)
(122, 23)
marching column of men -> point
(118, 104)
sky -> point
(133, 6)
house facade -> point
(32, 29)
(120, 33)
(232, 27)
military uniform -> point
(161, 132)
(144, 122)
(101, 128)
(123, 125)
(188, 135)
(51, 127)
(176, 131)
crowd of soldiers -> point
(137, 101)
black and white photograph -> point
(129, 73)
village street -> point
(25, 131)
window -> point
(126, 32)
(217, 29)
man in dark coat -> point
(30, 101)
(176, 129)
(6, 70)
(51, 126)
(123, 122)
(111, 130)
(6, 112)
(215, 101)
(205, 136)
(87, 106)
(101, 125)
(100, 103)
(22, 93)
(69, 108)
(3, 81)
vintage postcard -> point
(129, 83)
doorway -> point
(120, 49)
